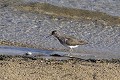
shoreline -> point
(27, 68)
(22, 57)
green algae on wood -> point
(49, 9)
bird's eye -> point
(55, 32)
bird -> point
(67, 40)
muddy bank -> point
(49, 9)
(75, 69)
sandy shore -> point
(19, 68)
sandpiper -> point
(68, 41)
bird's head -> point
(54, 32)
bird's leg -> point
(71, 50)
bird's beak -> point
(48, 36)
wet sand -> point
(21, 68)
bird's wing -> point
(82, 42)
(69, 37)
(73, 41)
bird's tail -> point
(81, 42)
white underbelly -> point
(73, 46)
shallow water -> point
(9, 50)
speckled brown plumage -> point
(67, 40)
